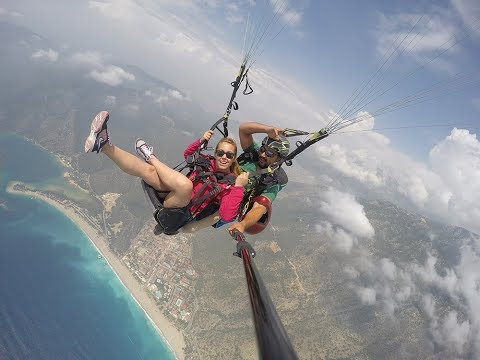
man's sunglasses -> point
(220, 153)
(267, 152)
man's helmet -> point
(282, 146)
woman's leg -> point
(179, 185)
(156, 174)
(132, 165)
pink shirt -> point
(229, 198)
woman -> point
(179, 189)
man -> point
(264, 188)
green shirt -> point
(250, 166)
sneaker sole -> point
(97, 125)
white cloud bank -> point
(348, 221)
(111, 75)
(456, 160)
(98, 70)
(455, 329)
(189, 38)
(49, 55)
(166, 95)
(9, 13)
(447, 187)
(345, 211)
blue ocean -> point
(58, 300)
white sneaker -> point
(143, 150)
(98, 136)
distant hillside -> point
(54, 101)
(51, 99)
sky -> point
(312, 61)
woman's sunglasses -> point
(220, 153)
(267, 152)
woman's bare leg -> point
(132, 165)
(179, 185)
(155, 173)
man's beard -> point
(262, 163)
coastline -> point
(173, 337)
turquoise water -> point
(58, 299)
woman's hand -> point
(207, 136)
(242, 179)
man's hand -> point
(242, 179)
(274, 133)
(238, 226)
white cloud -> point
(182, 42)
(419, 37)
(428, 303)
(90, 58)
(367, 295)
(448, 187)
(351, 163)
(351, 272)
(176, 94)
(461, 284)
(49, 55)
(455, 334)
(345, 211)
(469, 10)
(394, 285)
(388, 268)
(122, 10)
(288, 15)
(6, 12)
(98, 70)
(456, 159)
(188, 38)
(111, 75)
(339, 238)
(166, 95)
(355, 156)
(428, 274)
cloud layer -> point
(447, 187)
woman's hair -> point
(235, 167)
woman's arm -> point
(196, 144)
(192, 148)
(230, 203)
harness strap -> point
(209, 178)
(198, 199)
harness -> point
(259, 183)
(209, 179)
(171, 220)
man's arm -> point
(246, 130)
(250, 219)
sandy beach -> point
(173, 337)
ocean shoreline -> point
(170, 335)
